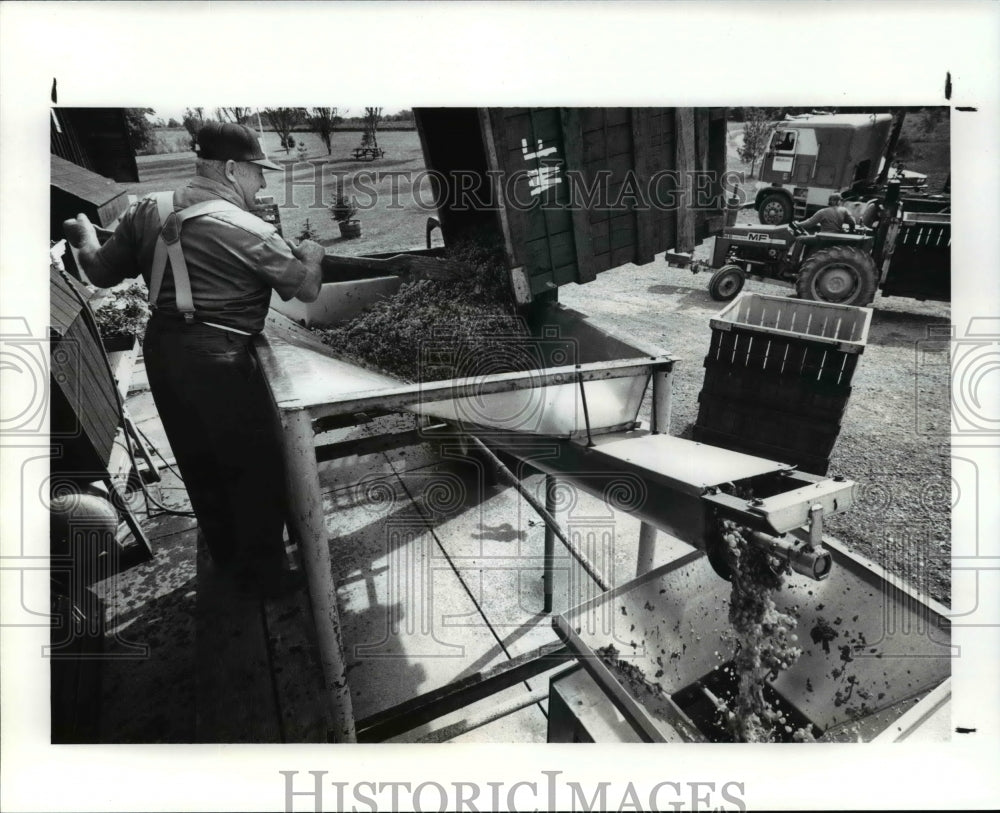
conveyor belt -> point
(685, 464)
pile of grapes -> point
(473, 317)
(764, 637)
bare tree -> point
(237, 114)
(372, 119)
(758, 124)
(323, 120)
(283, 120)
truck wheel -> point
(844, 275)
(726, 283)
(774, 210)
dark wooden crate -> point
(920, 263)
(783, 393)
(761, 423)
(778, 377)
(637, 162)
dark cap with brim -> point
(225, 141)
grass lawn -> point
(389, 222)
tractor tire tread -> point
(860, 260)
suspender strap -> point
(164, 208)
(168, 246)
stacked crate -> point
(778, 378)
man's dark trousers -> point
(224, 430)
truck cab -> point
(811, 157)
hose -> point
(91, 322)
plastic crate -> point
(778, 377)
(844, 326)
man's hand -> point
(308, 252)
(80, 231)
(311, 255)
(82, 235)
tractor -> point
(828, 266)
(902, 248)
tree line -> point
(283, 120)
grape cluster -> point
(765, 637)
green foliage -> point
(125, 314)
(757, 128)
(173, 123)
(933, 116)
(194, 120)
(437, 330)
(308, 232)
(140, 131)
(165, 141)
(342, 208)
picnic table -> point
(368, 153)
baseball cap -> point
(226, 141)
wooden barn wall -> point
(95, 138)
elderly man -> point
(833, 218)
(211, 266)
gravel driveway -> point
(894, 438)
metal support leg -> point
(647, 549)
(660, 423)
(308, 529)
(121, 504)
(550, 521)
(550, 543)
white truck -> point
(811, 157)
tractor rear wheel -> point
(775, 210)
(843, 275)
(726, 283)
